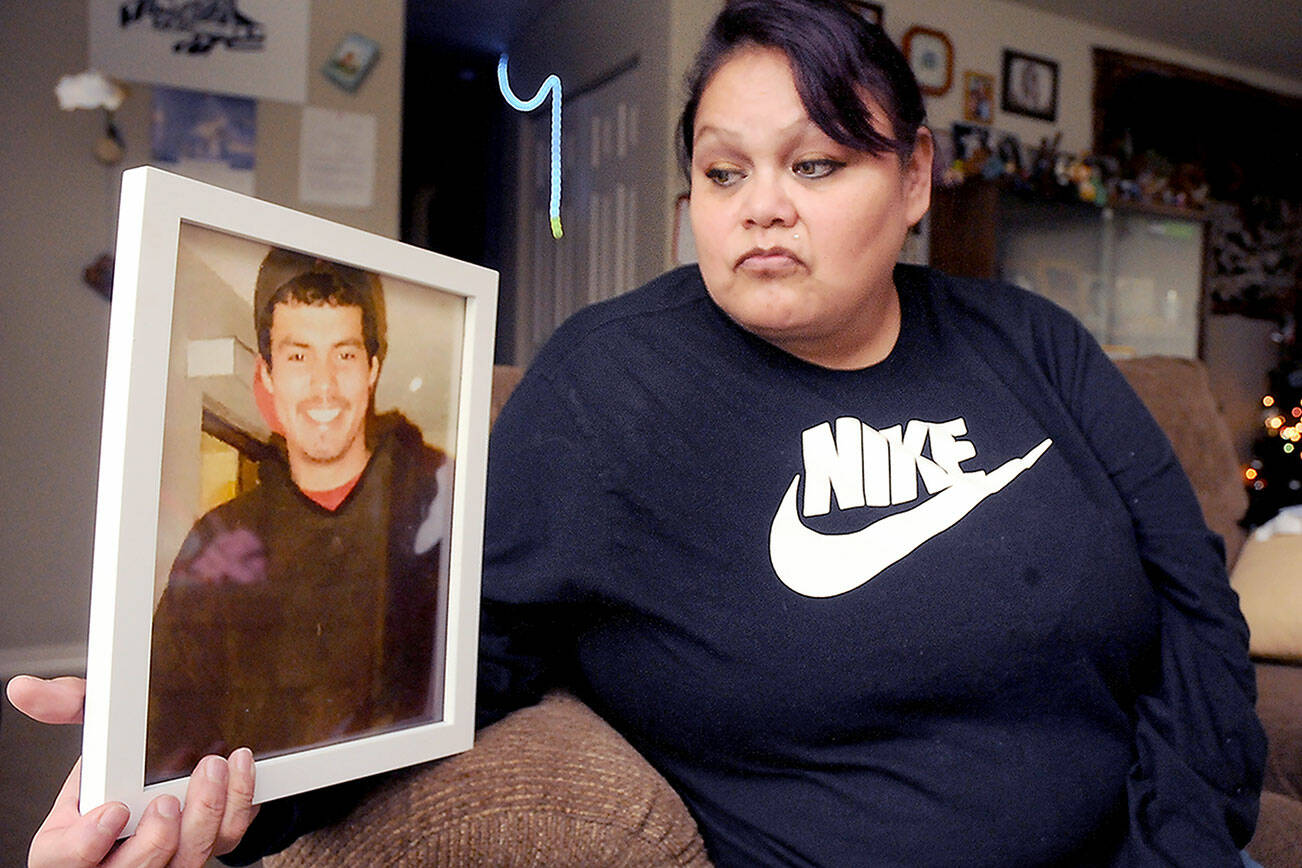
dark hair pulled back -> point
(836, 57)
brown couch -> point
(1179, 395)
(555, 785)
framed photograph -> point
(872, 12)
(352, 58)
(931, 55)
(978, 97)
(290, 518)
(1030, 86)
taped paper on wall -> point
(337, 158)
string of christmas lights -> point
(1274, 475)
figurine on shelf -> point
(1043, 164)
(1010, 154)
(1189, 186)
(1086, 177)
(971, 149)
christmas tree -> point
(1274, 476)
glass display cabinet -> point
(1133, 275)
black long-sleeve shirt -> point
(956, 608)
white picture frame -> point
(164, 219)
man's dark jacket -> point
(285, 624)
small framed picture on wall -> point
(351, 60)
(1030, 86)
(931, 56)
(978, 97)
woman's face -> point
(797, 234)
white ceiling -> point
(1264, 34)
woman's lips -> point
(768, 260)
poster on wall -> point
(253, 48)
(205, 136)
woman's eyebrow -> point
(800, 127)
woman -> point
(876, 566)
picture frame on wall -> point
(931, 57)
(351, 60)
(241, 598)
(873, 13)
(978, 97)
(1030, 86)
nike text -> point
(867, 467)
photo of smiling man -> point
(309, 608)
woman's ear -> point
(917, 176)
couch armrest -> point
(1279, 696)
(1178, 393)
(548, 785)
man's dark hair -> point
(836, 56)
(290, 277)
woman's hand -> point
(49, 700)
(218, 803)
(218, 810)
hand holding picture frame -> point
(290, 518)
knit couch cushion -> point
(550, 785)
(1268, 580)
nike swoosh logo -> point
(825, 565)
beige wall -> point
(57, 207)
(690, 19)
(380, 95)
(54, 330)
